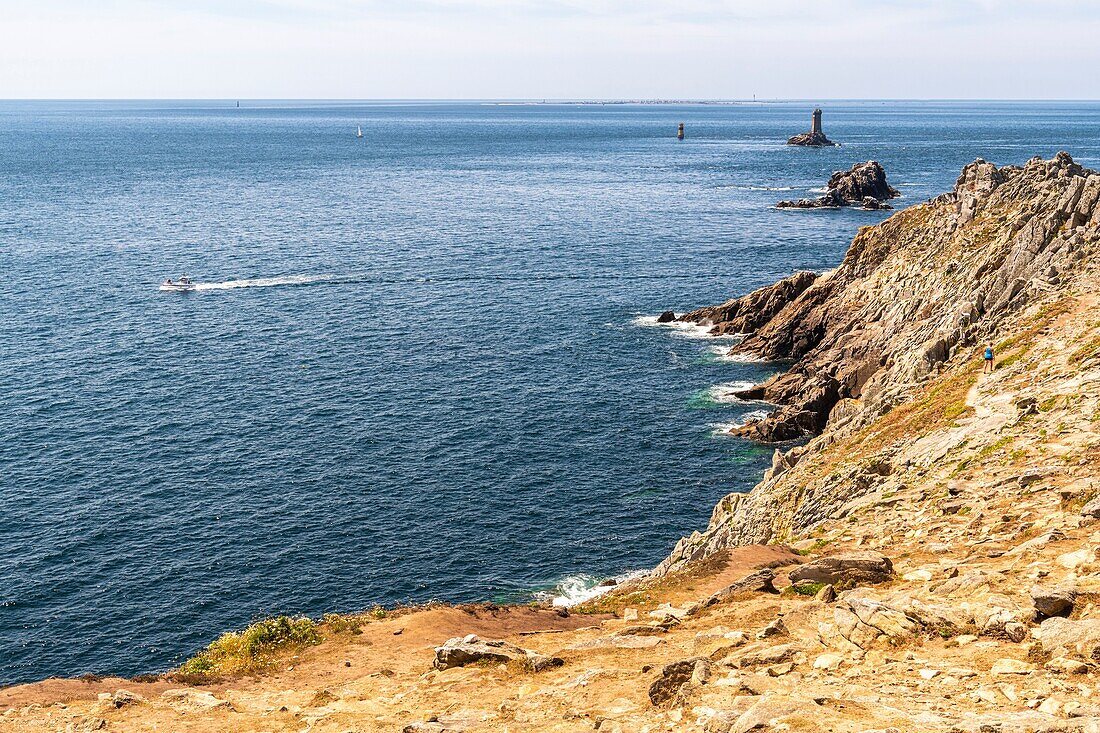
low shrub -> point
(253, 650)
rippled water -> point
(418, 365)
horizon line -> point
(554, 100)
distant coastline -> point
(655, 102)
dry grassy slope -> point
(983, 500)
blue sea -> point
(419, 365)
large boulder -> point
(675, 675)
(1053, 601)
(463, 650)
(860, 621)
(1070, 638)
(759, 581)
(770, 709)
(846, 570)
(190, 699)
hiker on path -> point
(989, 358)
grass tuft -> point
(254, 650)
(807, 588)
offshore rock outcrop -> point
(812, 140)
(863, 184)
(911, 293)
(815, 138)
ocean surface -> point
(420, 365)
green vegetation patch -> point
(253, 650)
(1087, 351)
(807, 588)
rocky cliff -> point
(923, 288)
(933, 556)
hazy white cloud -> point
(550, 48)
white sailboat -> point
(359, 131)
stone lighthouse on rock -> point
(815, 137)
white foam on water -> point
(724, 429)
(820, 189)
(726, 393)
(574, 589)
(721, 353)
(265, 282)
(754, 415)
(686, 329)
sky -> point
(550, 49)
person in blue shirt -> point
(989, 358)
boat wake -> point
(366, 279)
(269, 282)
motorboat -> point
(183, 285)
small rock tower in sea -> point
(815, 137)
(680, 132)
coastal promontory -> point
(920, 556)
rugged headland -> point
(924, 557)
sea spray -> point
(575, 589)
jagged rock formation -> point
(864, 184)
(926, 281)
(911, 294)
(748, 313)
(815, 138)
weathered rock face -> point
(1056, 601)
(915, 288)
(864, 184)
(862, 181)
(931, 282)
(674, 676)
(849, 569)
(748, 313)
